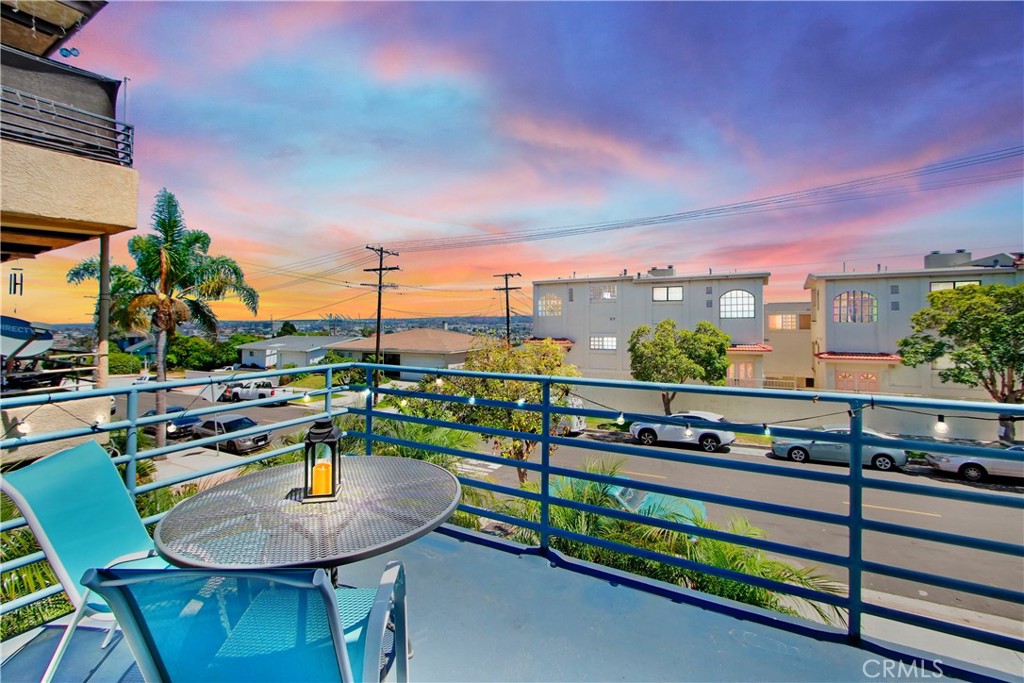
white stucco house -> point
(594, 316)
(297, 350)
(857, 320)
(421, 347)
(788, 331)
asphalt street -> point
(957, 517)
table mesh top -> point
(258, 520)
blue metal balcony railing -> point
(40, 122)
(853, 561)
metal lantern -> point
(320, 481)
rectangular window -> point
(952, 284)
(894, 305)
(549, 305)
(782, 321)
(570, 295)
(603, 343)
(805, 321)
(708, 290)
(602, 293)
(709, 304)
(894, 289)
(667, 294)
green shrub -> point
(120, 363)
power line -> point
(320, 308)
(798, 199)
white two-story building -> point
(594, 316)
(857, 319)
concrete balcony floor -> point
(478, 613)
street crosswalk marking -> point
(476, 468)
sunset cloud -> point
(296, 133)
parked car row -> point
(190, 426)
(692, 428)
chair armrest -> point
(390, 597)
(130, 557)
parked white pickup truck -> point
(259, 388)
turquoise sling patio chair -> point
(80, 512)
(267, 625)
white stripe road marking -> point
(476, 467)
(909, 512)
(643, 474)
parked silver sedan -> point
(804, 450)
(974, 468)
(223, 425)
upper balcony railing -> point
(838, 540)
(52, 125)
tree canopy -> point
(979, 329)
(287, 329)
(672, 356)
(544, 358)
(174, 280)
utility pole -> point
(508, 310)
(380, 270)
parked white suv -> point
(688, 427)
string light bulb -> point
(472, 400)
(687, 432)
(621, 419)
(23, 427)
(521, 402)
(767, 430)
(403, 403)
(940, 425)
(439, 382)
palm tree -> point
(708, 551)
(174, 280)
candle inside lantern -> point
(321, 479)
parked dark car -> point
(223, 425)
(180, 427)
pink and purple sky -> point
(296, 133)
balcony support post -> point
(131, 442)
(856, 524)
(103, 331)
(545, 461)
(369, 411)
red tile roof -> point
(750, 348)
(836, 355)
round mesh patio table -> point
(259, 521)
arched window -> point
(549, 305)
(854, 306)
(736, 303)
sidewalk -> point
(196, 460)
(941, 644)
